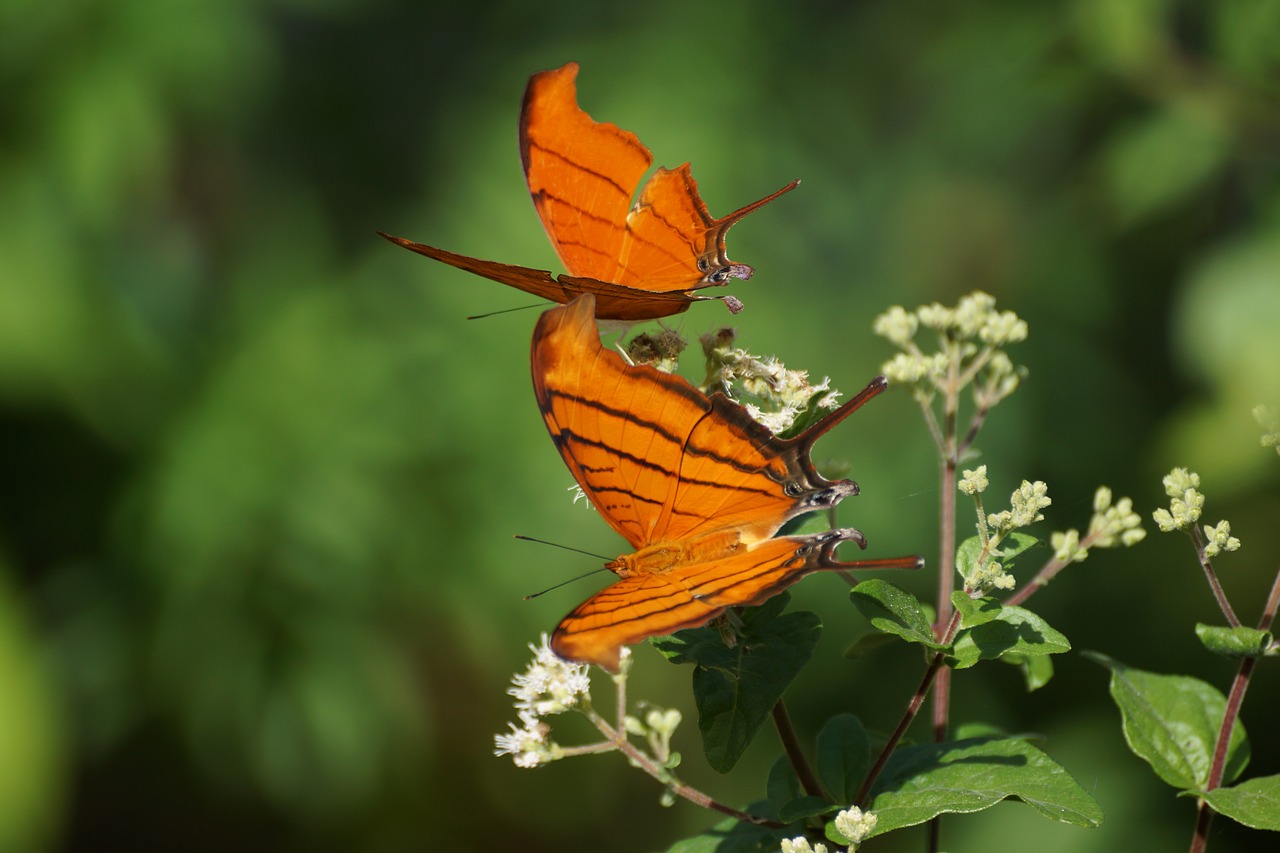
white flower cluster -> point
(549, 686)
(1186, 504)
(1186, 501)
(1219, 539)
(779, 394)
(1027, 501)
(971, 335)
(974, 482)
(1111, 525)
(853, 824)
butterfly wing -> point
(659, 459)
(613, 301)
(653, 605)
(583, 174)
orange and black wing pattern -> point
(692, 482)
(583, 175)
(641, 262)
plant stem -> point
(791, 745)
(913, 708)
(1239, 685)
(1212, 577)
(617, 739)
(1047, 573)
(795, 755)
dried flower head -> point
(772, 393)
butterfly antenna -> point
(566, 548)
(505, 311)
(564, 583)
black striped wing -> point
(660, 460)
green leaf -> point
(1014, 544)
(1255, 803)
(1037, 670)
(844, 755)
(783, 786)
(736, 688)
(921, 782)
(1011, 546)
(1239, 642)
(975, 611)
(1171, 722)
(893, 610)
(967, 555)
(1015, 631)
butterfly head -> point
(826, 496)
(715, 266)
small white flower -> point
(936, 316)
(550, 685)
(973, 313)
(855, 825)
(1027, 502)
(1219, 539)
(1066, 547)
(528, 744)
(988, 576)
(1179, 480)
(974, 481)
(800, 844)
(897, 325)
(1114, 523)
(1003, 328)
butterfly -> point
(691, 481)
(641, 262)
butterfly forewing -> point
(581, 173)
(659, 459)
(621, 433)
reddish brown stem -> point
(1212, 577)
(913, 708)
(791, 745)
(1239, 685)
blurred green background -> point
(258, 589)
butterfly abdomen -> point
(664, 557)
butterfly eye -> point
(703, 265)
(792, 489)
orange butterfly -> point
(640, 262)
(696, 486)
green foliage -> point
(926, 780)
(1014, 631)
(736, 688)
(843, 756)
(259, 475)
(893, 610)
(1172, 722)
(1238, 642)
(1255, 803)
